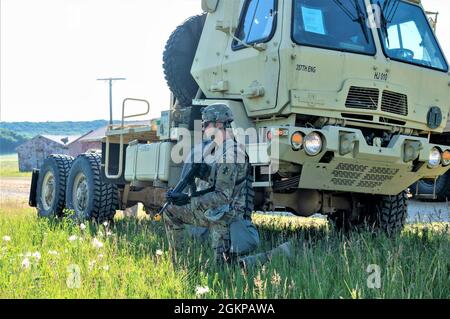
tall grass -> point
(130, 265)
(9, 166)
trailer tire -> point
(427, 188)
(178, 57)
(51, 186)
(87, 194)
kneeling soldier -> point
(222, 201)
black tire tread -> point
(184, 92)
(105, 195)
(64, 163)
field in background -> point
(9, 166)
(56, 259)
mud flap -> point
(34, 182)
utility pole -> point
(111, 80)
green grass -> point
(9, 166)
(327, 265)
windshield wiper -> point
(360, 18)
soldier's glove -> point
(178, 199)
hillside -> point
(13, 134)
(9, 140)
(31, 129)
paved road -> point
(18, 188)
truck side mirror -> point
(210, 6)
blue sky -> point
(52, 52)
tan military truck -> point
(349, 99)
(435, 189)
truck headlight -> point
(435, 158)
(313, 144)
(446, 158)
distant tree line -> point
(31, 129)
(13, 134)
(9, 140)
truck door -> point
(251, 64)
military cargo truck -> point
(437, 189)
(349, 99)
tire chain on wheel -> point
(104, 194)
(64, 163)
(183, 89)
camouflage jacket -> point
(227, 180)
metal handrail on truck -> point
(121, 132)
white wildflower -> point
(37, 256)
(6, 238)
(97, 243)
(53, 252)
(26, 263)
(82, 226)
(108, 234)
(92, 264)
(100, 256)
(159, 252)
(199, 291)
(106, 268)
(105, 224)
(73, 238)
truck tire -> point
(427, 187)
(382, 213)
(389, 213)
(51, 186)
(178, 57)
(87, 195)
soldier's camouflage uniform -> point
(227, 202)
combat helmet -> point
(217, 112)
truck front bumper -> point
(347, 163)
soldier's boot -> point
(221, 244)
(284, 250)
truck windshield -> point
(407, 36)
(336, 25)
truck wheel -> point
(87, 195)
(389, 213)
(384, 213)
(178, 57)
(426, 187)
(51, 187)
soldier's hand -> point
(178, 199)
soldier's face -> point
(214, 131)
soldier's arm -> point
(223, 192)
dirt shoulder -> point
(14, 188)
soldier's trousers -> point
(175, 219)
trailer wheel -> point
(178, 57)
(87, 195)
(51, 187)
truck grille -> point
(395, 103)
(363, 98)
(362, 176)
